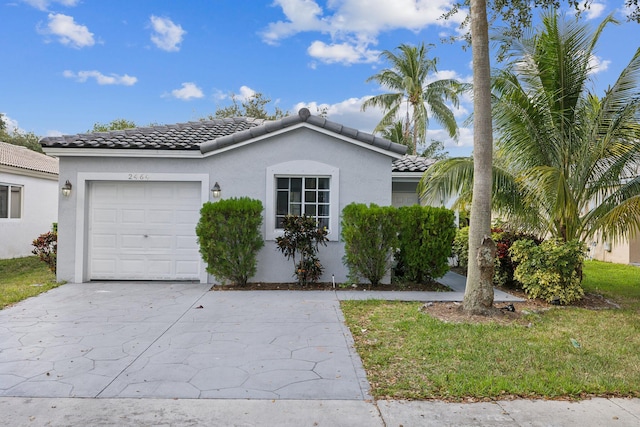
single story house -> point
(28, 198)
(135, 195)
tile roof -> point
(410, 163)
(209, 135)
(181, 136)
(303, 116)
(23, 158)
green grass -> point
(19, 277)
(616, 281)
(410, 355)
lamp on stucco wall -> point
(66, 189)
(216, 191)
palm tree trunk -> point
(478, 297)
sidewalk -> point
(455, 281)
(34, 412)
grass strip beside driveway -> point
(561, 352)
(22, 278)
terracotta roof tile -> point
(23, 158)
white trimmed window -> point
(302, 187)
(303, 195)
(10, 201)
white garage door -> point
(144, 230)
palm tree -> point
(567, 160)
(408, 82)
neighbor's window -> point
(303, 195)
(10, 201)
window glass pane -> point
(310, 196)
(310, 183)
(279, 222)
(282, 203)
(16, 202)
(323, 210)
(323, 197)
(295, 194)
(323, 183)
(310, 210)
(323, 223)
(283, 183)
(4, 201)
(295, 209)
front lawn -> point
(558, 352)
(22, 278)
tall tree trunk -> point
(478, 296)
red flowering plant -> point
(46, 247)
(505, 266)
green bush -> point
(370, 237)
(229, 237)
(551, 270)
(460, 247)
(300, 241)
(425, 237)
(504, 266)
(46, 247)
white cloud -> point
(54, 133)
(597, 65)
(166, 35)
(353, 25)
(245, 93)
(101, 79)
(68, 31)
(342, 52)
(11, 125)
(595, 10)
(187, 92)
(349, 113)
(44, 4)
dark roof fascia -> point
(303, 117)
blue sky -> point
(70, 63)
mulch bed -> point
(327, 286)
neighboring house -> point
(621, 251)
(28, 198)
(406, 173)
(136, 194)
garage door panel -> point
(187, 217)
(132, 262)
(104, 241)
(144, 231)
(133, 216)
(185, 242)
(163, 243)
(187, 268)
(103, 266)
(105, 216)
(132, 192)
(162, 217)
(132, 241)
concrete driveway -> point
(164, 340)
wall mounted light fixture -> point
(216, 191)
(66, 189)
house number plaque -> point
(139, 176)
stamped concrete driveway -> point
(164, 340)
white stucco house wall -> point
(28, 198)
(136, 194)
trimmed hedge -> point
(425, 237)
(419, 237)
(370, 236)
(229, 237)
